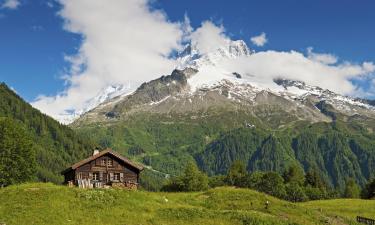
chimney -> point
(96, 151)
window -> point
(109, 162)
(116, 176)
(103, 162)
(95, 176)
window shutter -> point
(100, 176)
(121, 177)
(110, 176)
(90, 176)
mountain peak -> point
(191, 56)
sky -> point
(57, 54)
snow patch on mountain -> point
(104, 95)
(215, 67)
(191, 56)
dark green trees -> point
(294, 178)
(352, 189)
(17, 154)
(295, 192)
(315, 188)
(56, 145)
(369, 191)
(191, 180)
(294, 174)
(236, 174)
(273, 184)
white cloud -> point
(319, 69)
(321, 57)
(126, 42)
(11, 4)
(123, 42)
(266, 65)
(208, 37)
(259, 40)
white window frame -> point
(95, 176)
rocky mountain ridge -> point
(198, 83)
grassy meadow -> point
(40, 203)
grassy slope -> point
(50, 204)
(347, 208)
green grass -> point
(346, 208)
(50, 204)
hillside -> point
(217, 138)
(50, 204)
(204, 112)
(56, 145)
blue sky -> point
(33, 43)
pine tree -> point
(236, 174)
(273, 184)
(368, 191)
(17, 154)
(193, 179)
(313, 179)
(294, 174)
(295, 193)
(352, 189)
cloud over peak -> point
(122, 42)
(127, 43)
(208, 37)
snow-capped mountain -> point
(203, 82)
(104, 95)
(191, 56)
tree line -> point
(29, 137)
(293, 184)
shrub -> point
(314, 193)
(191, 180)
(352, 189)
(368, 191)
(273, 184)
(294, 174)
(237, 174)
(216, 181)
(295, 193)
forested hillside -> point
(338, 150)
(337, 153)
(56, 145)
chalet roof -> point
(104, 152)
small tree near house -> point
(191, 180)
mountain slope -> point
(56, 145)
(206, 113)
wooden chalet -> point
(103, 169)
